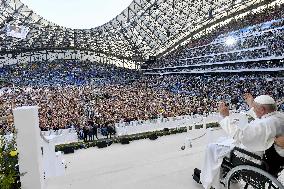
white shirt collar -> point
(269, 114)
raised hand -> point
(223, 109)
(249, 99)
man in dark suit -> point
(93, 129)
(85, 132)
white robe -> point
(281, 177)
(214, 154)
(257, 136)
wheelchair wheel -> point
(245, 176)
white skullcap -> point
(264, 99)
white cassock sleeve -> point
(252, 113)
(257, 135)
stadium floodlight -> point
(230, 41)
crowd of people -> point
(143, 98)
(247, 31)
(62, 72)
(263, 45)
(273, 65)
(269, 34)
(84, 94)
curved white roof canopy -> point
(83, 14)
(145, 28)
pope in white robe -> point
(256, 136)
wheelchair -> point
(246, 170)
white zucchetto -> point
(264, 99)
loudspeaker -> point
(124, 141)
(144, 66)
(166, 129)
(102, 144)
(153, 136)
(210, 13)
(152, 58)
(68, 150)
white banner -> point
(17, 31)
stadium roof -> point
(145, 28)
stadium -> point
(167, 94)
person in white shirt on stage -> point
(256, 136)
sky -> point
(78, 14)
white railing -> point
(61, 136)
(136, 127)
